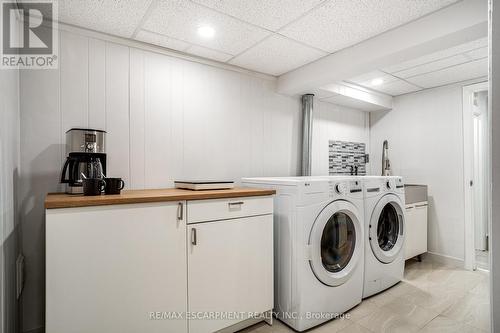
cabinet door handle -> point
(193, 236)
(180, 211)
(421, 205)
(237, 203)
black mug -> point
(93, 186)
(114, 185)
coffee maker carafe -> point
(86, 158)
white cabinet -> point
(109, 267)
(416, 229)
(230, 270)
(128, 268)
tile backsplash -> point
(342, 155)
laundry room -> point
(199, 166)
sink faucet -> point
(386, 164)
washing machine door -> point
(387, 229)
(335, 243)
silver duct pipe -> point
(307, 128)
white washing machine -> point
(318, 247)
(384, 232)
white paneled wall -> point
(425, 137)
(333, 122)
(117, 121)
(166, 119)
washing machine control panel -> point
(345, 188)
(341, 188)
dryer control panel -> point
(377, 185)
(394, 184)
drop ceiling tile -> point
(477, 53)
(276, 55)
(341, 23)
(180, 19)
(432, 66)
(463, 72)
(365, 80)
(269, 14)
(160, 40)
(208, 53)
(398, 87)
(410, 63)
(117, 17)
(391, 85)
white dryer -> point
(384, 232)
(318, 249)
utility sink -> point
(415, 193)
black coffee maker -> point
(86, 158)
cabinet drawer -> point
(220, 209)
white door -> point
(336, 243)
(387, 228)
(230, 271)
(480, 133)
(108, 268)
(477, 170)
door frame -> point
(468, 165)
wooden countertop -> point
(62, 200)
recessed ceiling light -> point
(206, 31)
(377, 82)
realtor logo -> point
(29, 34)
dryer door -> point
(336, 242)
(386, 228)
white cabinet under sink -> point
(416, 229)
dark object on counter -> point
(114, 185)
(86, 158)
(93, 186)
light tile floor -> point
(432, 297)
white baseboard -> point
(444, 259)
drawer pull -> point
(237, 203)
(421, 205)
(180, 211)
(193, 236)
